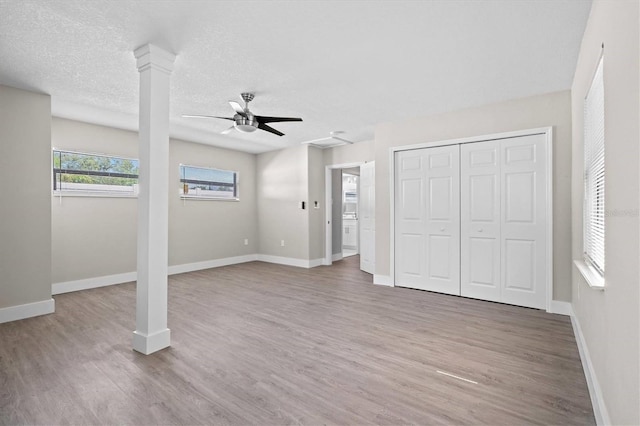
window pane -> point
(94, 173)
(594, 173)
(208, 183)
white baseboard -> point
(561, 308)
(290, 261)
(88, 283)
(215, 263)
(28, 310)
(597, 400)
(337, 256)
(382, 280)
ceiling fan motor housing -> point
(246, 124)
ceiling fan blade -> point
(205, 116)
(269, 129)
(265, 119)
(227, 131)
(237, 108)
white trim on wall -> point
(561, 308)
(28, 310)
(215, 263)
(96, 282)
(88, 283)
(290, 261)
(595, 392)
(383, 280)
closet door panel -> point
(427, 219)
(443, 219)
(480, 251)
(524, 221)
(410, 219)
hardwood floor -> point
(267, 344)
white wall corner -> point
(337, 256)
(561, 308)
(383, 280)
(315, 262)
(28, 310)
(595, 392)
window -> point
(91, 174)
(594, 173)
(202, 182)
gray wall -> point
(552, 109)
(316, 193)
(609, 319)
(205, 230)
(92, 236)
(25, 213)
(344, 154)
(282, 179)
(97, 236)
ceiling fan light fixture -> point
(245, 124)
(245, 128)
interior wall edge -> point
(595, 392)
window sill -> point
(94, 194)
(593, 278)
(201, 198)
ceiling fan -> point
(245, 121)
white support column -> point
(155, 66)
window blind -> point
(594, 173)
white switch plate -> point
(246, 241)
(281, 243)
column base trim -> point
(149, 343)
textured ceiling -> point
(341, 66)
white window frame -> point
(593, 268)
(88, 192)
(203, 195)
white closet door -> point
(480, 220)
(367, 219)
(524, 221)
(428, 219)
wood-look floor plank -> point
(268, 344)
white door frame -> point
(328, 213)
(547, 131)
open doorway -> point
(349, 209)
(349, 214)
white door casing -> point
(428, 219)
(367, 218)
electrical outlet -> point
(246, 241)
(281, 243)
